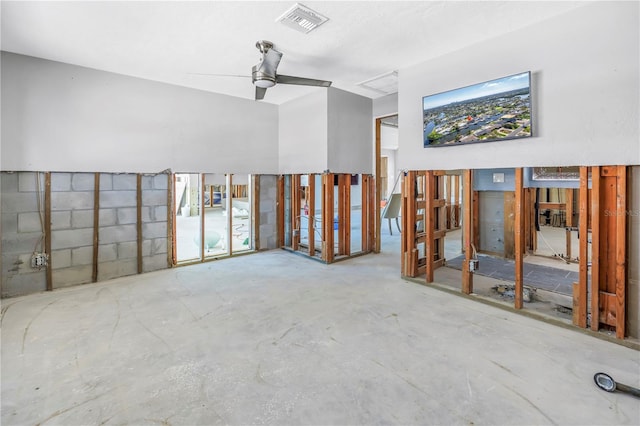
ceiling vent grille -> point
(384, 84)
(301, 18)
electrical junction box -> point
(39, 260)
(473, 265)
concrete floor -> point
(275, 338)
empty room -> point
(320, 213)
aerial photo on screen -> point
(485, 112)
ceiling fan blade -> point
(301, 81)
(260, 92)
(270, 62)
(219, 75)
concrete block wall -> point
(155, 243)
(268, 212)
(72, 200)
(72, 228)
(22, 232)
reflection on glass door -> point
(241, 213)
(215, 223)
(187, 209)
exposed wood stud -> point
(202, 217)
(429, 223)
(519, 237)
(311, 203)
(468, 210)
(346, 210)
(47, 229)
(255, 210)
(595, 248)
(96, 225)
(280, 210)
(170, 221)
(620, 249)
(295, 212)
(328, 218)
(378, 184)
(174, 212)
(139, 219)
(581, 302)
(229, 214)
(569, 219)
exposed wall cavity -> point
(73, 228)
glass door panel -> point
(241, 213)
(215, 224)
(187, 199)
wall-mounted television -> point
(494, 110)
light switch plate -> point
(498, 178)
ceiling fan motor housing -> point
(262, 79)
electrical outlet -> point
(39, 260)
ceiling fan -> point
(264, 74)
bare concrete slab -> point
(275, 338)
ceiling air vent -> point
(301, 18)
(384, 84)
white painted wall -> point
(349, 132)
(388, 137)
(61, 117)
(303, 134)
(585, 92)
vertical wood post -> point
(519, 237)
(583, 273)
(255, 210)
(378, 219)
(429, 223)
(171, 219)
(620, 271)
(311, 202)
(595, 248)
(467, 229)
(569, 219)
(346, 210)
(280, 210)
(96, 225)
(139, 219)
(230, 193)
(295, 211)
(47, 229)
(327, 217)
(202, 216)
(174, 212)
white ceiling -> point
(172, 41)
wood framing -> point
(202, 217)
(280, 211)
(174, 246)
(409, 252)
(620, 249)
(568, 220)
(255, 210)
(328, 249)
(430, 224)
(594, 289)
(519, 230)
(468, 209)
(583, 273)
(311, 203)
(229, 235)
(171, 220)
(47, 229)
(96, 226)
(139, 220)
(295, 211)
(378, 219)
